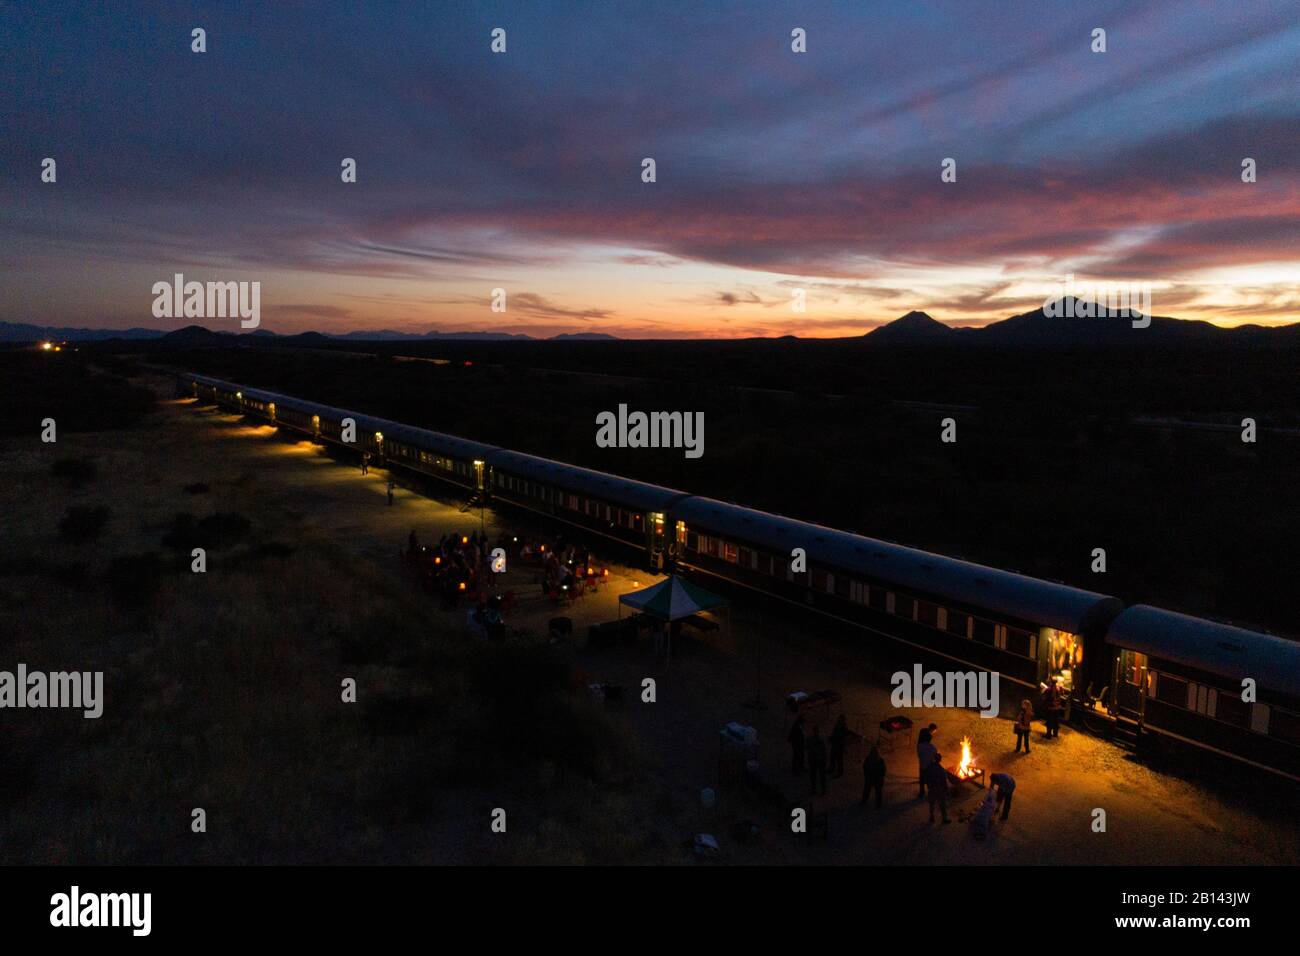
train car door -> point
(478, 476)
(656, 532)
(1130, 684)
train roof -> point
(424, 438)
(1274, 662)
(598, 484)
(1028, 599)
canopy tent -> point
(672, 599)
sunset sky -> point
(522, 170)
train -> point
(1133, 673)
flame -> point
(967, 766)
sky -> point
(777, 173)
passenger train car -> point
(1140, 670)
(631, 512)
(1223, 688)
(1026, 629)
(452, 459)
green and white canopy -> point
(672, 599)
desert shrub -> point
(532, 709)
(74, 472)
(223, 529)
(134, 579)
(214, 532)
(73, 572)
(273, 549)
(83, 522)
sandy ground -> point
(1151, 818)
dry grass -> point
(223, 690)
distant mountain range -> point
(1034, 328)
(24, 332)
(1037, 328)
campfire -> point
(966, 769)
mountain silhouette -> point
(1073, 323)
(911, 329)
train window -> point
(692, 541)
(765, 563)
(1021, 642)
(1231, 709)
(904, 606)
(1259, 717)
(957, 623)
(730, 552)
(1202, 699)
(878, 598)
(842, 585)
(927, 613)
(1284, 725)
(818, 579)
(1171, 690)
(857, 592)
(983, 631)
(1133, 664)
(746, 558)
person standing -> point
(873, 777)
(796, 739)
(1006, 786)
(365, 463)
(937, 779)
(817, 760)
(1054, 708)
(1023, 721)
(391, 485)
(839, 740)
(925, 753)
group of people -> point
(564, 569)
(455, 565)
(933, 778)
(822, 756)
